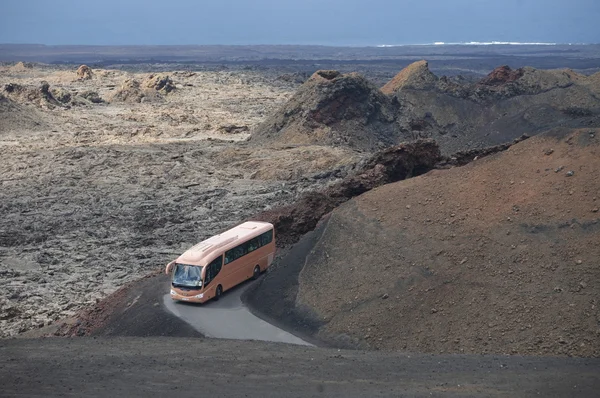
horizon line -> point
(433, 44)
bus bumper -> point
(198, 298)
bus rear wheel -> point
(218, 293)
(256, 272)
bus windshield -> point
(187, 276)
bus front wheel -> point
(218, 292)
(256, 272)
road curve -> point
(229, 318)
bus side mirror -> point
(169, 267)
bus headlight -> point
(172, 292)
(199, 295)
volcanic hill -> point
(346, 110)
(498, 256)
(497, 109)
(331, 108)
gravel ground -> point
(99, 367)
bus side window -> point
(266, 238)
(213, 269)
(253, 244)
(229, 256)
(208, 276)
(239, 251)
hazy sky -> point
(330, 22)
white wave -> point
(473, 43)
(504, 43)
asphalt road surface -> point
(228, 318)
(180, 366)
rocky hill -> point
(335, 109)
(498, 256)
(499, 108)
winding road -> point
(229, 318)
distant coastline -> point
(539, 55)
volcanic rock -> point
(84, 72)
(61, 95)
(504, 83)
(128, 92)
(151, 88)
(233, 129)
(131, 91)
(160, 82)
(502, 75)
(92, 96)
(40, 96)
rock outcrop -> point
(40, 96)
(91, 96)
(160, 82)
(502, 75)
(415, 76)
(389, 165)
(129, 91)
(84, 72)
(151, 88)
(61, 95)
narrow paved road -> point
(229, 318)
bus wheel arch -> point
(256, 272)
(218, 292)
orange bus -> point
(221, 262)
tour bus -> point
(221, 262)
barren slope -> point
(499, 256)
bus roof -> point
(204, 252)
